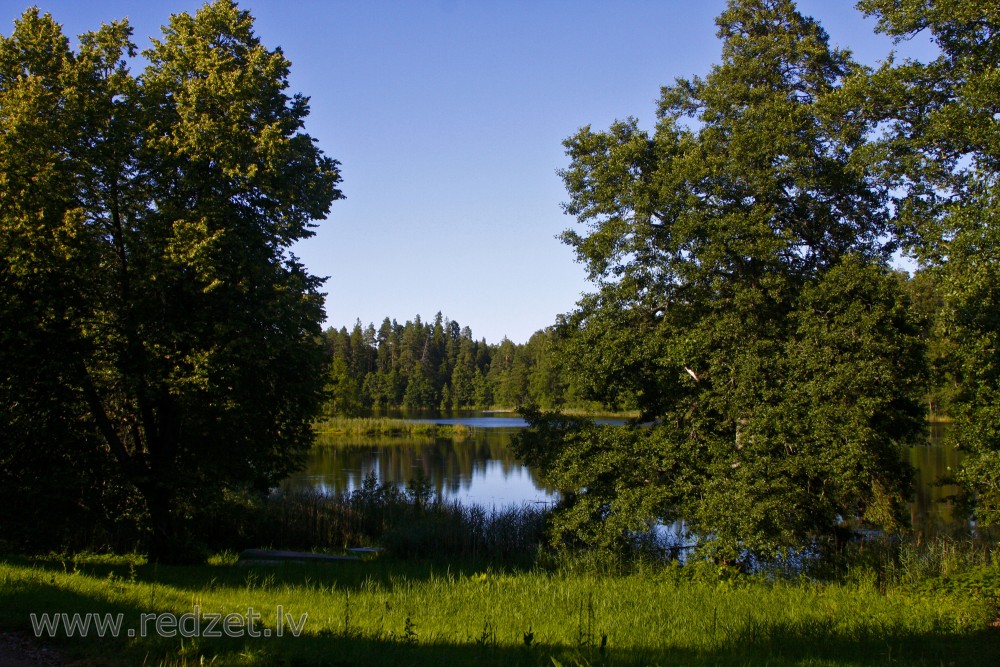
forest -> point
(438, 365)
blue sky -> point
(448, 119)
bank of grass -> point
(390, 427)
(385, 426)
(602, 414)
(391, 612)
(458, 586)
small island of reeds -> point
(386, 426)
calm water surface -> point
(479, 469)
(482, 470)
(930, 509)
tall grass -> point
(409, 523)
(384, 426)
(960, 561)
(386, 613)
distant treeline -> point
(439, 365)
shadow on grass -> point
(782, 648)
(343, 575)
(757, 642)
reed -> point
(407, 523)
(384, 426)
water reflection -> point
(931, 510)
(481, 469)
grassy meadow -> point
(396, 612)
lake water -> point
(481, 469)
(929, 509)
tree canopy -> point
(744, 301)
(150, 304)
(938, 149)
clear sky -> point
(448, 118)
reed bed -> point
(407, 523)
(384, 426)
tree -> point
(505, 376)
(419, 390)
(939, 151)
(462, 389)
(744, 304)
(42, 252)
(146, 250)
(343, 391)
(546, 386)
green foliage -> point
(744, 304)
(940, 152)
(150, 302)
(343, 391)
(439, 366)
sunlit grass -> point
(390, 612)
(385, 426)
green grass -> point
(392, 612)
(384, 426)
(389, 427)
(602, 414)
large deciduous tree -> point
(939, 149)
(744, 303)
(153, 315)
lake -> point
(479, 469)
(482, 470)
